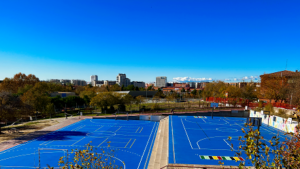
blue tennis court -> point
(204, 141)
(134, 140)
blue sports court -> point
(133, 139)
(204, 141)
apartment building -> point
(94, 78)
(65, 81)
(192, 84)
(98, 83)
(161, 81)
(138, 84)
(109, 82)
(122, 80)
(76, 82)
(54, 80)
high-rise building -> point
(94, 78)
(197, 85)
(122, 80)
(161, 81)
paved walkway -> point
(160, 153)
(63, 123)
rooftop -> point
(284, 73)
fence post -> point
(39, 159)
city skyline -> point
(180, 40)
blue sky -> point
(144, 39)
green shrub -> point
(269, 107)
(155, 106)
(282, 113)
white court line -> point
(173, 141)
(264, 128)
(132, 135)
(25, 155)
(146, 146)
(17, 166)
(211, 138)
(203, 120)
(127, 143)
(102, 142)
(234, 122)
(137, 130)
(211, 123)
(78, 128)
(141, 129)
(186, 134)
(99, 128)
(22, 144)
(225, 121)
(132, 143)
(118, 129)
(229, 145)
(78, 141)
(153, 139)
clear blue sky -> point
(144, 39)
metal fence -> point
(185, 166)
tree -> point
(90, 158)
(170, 98)
(10, 107)
(50, 109)
(142, 89)
(208, 90)
(182, 90)
(128, 100)
(24, 89)
(159, 93)
(150, 88)
(130, 88)
(214, 89)
(233, 92)
(156, 99)
(249, 92)
(194, 93)
(57, 101)
(72, 101)
(115, 87)
(139, 99)
(37, 96)
(103, 100)
(285, 154)
(87, 94)
(19, 80)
